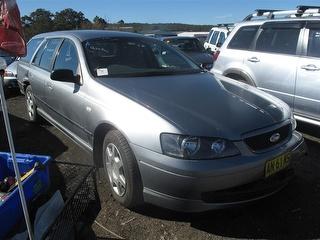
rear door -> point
(231, 57)
(213, 41)
(24, 62)
(307, 99)
(274, 59)
(40, 69)
(206, 42)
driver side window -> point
(67, 57)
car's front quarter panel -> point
(137, 123)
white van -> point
(217, 36)
(202, 36)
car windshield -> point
(186, 44)
(134, 56)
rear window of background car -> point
(32, 46)
(314, 43)
(222, 38)
(278, 40)
(243, 38)
(214, 38)
(209, 35)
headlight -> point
(293, 122)
(188, 147)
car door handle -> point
(310, 67)
(253, 59)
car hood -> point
(202, 104)
(200, 57)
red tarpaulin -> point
(11, 35)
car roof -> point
(177, 37)
(262, 21)
(84, 35)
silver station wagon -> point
(166, 131)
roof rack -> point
(301, 11)
(225, 25)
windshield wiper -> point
(156, 73)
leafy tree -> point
(37, 22)
(99, 23)
(69, 19)
(120, 22)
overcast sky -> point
(163, 11)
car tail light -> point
(216, 55)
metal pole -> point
(14, 160)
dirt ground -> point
(294, 213)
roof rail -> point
(225, 25)
(301, 11)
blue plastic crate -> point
(34, 185)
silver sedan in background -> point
(166, 131)
(10, 76)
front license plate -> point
(275, 165)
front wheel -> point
(122, 170)
(31, 105)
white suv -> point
(278, 55)
(217, 36)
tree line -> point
(42, 20)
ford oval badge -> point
(275, 137)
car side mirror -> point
(65, 75)
(219, 44)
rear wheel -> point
(31, 105)
(122, 170)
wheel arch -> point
(98, 136)
(232, 72)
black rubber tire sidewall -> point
(133, 195)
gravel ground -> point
(294, 213)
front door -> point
(65, 98)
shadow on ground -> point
(30, 138)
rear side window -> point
(46, 54)
(243, 38)
(314, 43)
(222, 38)
(32, 46)
(278, 40)
(214, 38)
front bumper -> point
(195, 186)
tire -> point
(122, 170)
(31, 105)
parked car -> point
(217, 36)
(193, 48)
(166, 132)
(160, 34)
(280, 56)
(10, 76)
(201, 36)
(7, 57)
